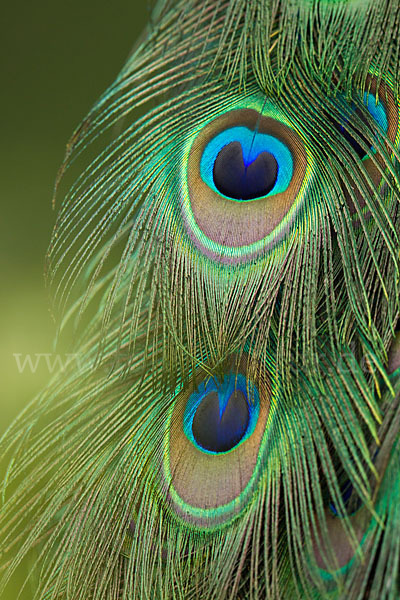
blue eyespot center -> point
(242, 164)
(220, 431)
(236, 179)
(218, 417)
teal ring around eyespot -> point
(377, 111)
(231, 383)
(369, 98)
(253, 144)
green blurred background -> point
(57, 58)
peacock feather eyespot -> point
(379, 105)
(369, 131)
(243, 181)
(214, 442)
(377, 111)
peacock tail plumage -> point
(227, 256)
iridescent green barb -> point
(228, 257)
(336, 42)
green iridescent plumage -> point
(190, 300)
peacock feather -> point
(228, 259)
